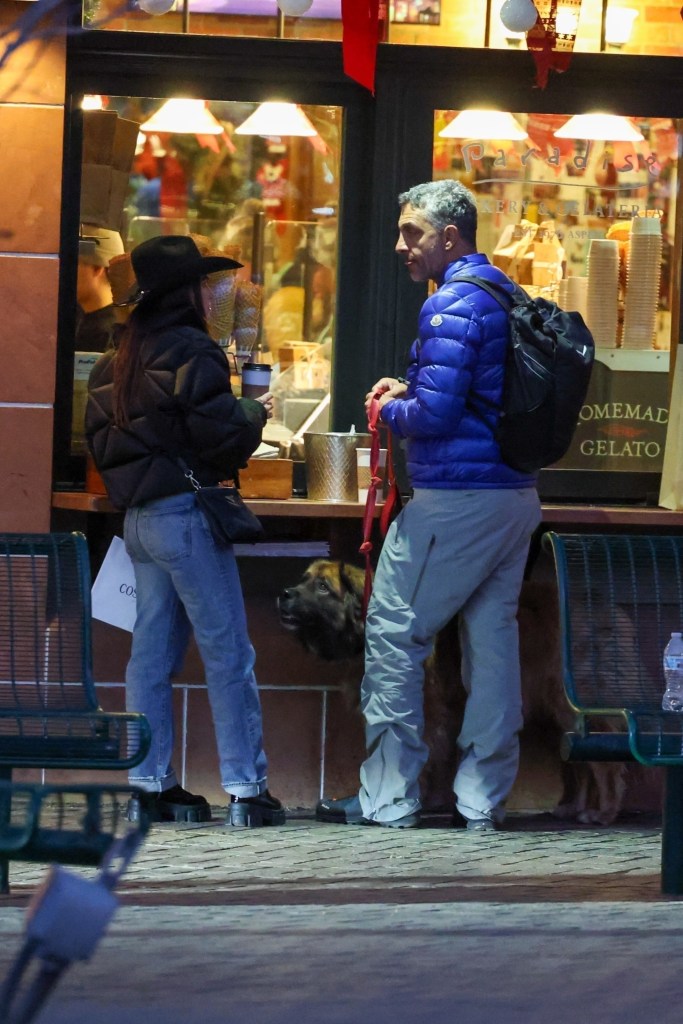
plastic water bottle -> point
(673, 673)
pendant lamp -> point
(277, 119)
(183, 117)
(599, 127)
(484, 124)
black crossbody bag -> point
(229, 519)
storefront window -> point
(269, 201)
(217, 17)
(583, 211)
(593, 26)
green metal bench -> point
(621, 597)
(69, 824)
(49, 712)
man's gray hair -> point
(445, 202)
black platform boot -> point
(255, 811)
(174, 804)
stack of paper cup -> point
(572, 294)
(603, 291)
(642, 283)
(365, 475)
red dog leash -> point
(393, 500)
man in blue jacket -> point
(461, 543)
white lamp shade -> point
(156, 6)
(599, 127)
(183, 117)
(566, 21)
(294, 7)
(483, 124)
(277, 119)
(619, 24)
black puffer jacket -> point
(183, 402)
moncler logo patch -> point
(436, 320)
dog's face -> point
(323, 610)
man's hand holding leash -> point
(385, 390)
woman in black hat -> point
(160, 401)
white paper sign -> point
(113, 592)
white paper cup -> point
(603, 248)
(364, 474)
(646, 226)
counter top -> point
(561, 514)
(82, 501)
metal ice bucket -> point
(331, 473)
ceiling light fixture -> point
(183, 117)
(599, 127)
(274, 119)
(484, 124)
(566, 21)
(92, 101)
(619, 25)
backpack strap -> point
(497, 291)
(507, 301)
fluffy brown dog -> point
(323, 612)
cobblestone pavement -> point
(323, 924)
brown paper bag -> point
(549, 256)
(671, 489)
(514, 252)
(108, 152)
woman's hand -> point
(267, 401)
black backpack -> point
(547, 371)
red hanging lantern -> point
(551, 42)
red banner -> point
(551, 44)
(363, 25)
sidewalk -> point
(324, 924)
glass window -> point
(583, 210)
(216, 17)
(269, 200)
(590, 26)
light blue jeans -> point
(185, 583)
(448, 551)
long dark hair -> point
(180, 305)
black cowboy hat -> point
(170, 261)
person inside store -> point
(95, 312)
(160, 406)
(460, 544)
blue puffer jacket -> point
(460, 351)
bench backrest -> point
(45, 648)
(621, 597)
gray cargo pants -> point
(448, 551)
